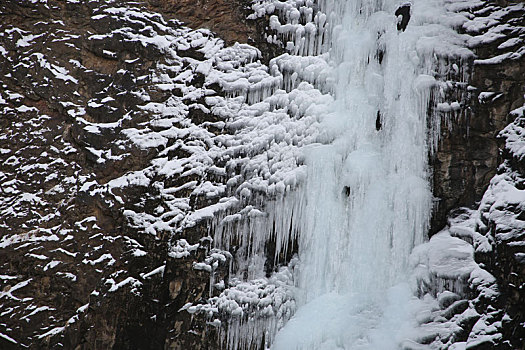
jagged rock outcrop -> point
(468, 154)
(76, 77)
(473, 153)
(502, 211)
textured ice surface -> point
(367, 196)
(356, 321)
(354, 195)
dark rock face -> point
(71, 261)
(84, 87)
(226, 18)
(403, 16)
(222, 17)
(471, 156)
(468, 154)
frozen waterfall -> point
(351, 117)
(367, 193)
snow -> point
(58, 71)
(257, 307)
(510, 43)
(38, 256)
(51, 265)
(129, 280)
(503, 194)
(30, 236)
(8, 338)
(37, 310)
(158, 270)
(182, 249)
(443, 263)
(51, 332)
(8, 292)
(449, 257)
(68, 275)
(514, 133)
(7, 277)
(101, 259)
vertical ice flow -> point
(368, 197)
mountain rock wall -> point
(469, 152)
(479, 162)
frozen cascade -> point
(348, 118)
(367, 193)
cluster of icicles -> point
(364, 201)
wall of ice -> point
(368, 198)
(328, 160)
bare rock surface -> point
(493, 86)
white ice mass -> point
(367, 193)
(364, 201)
(326, 154)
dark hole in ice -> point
(379, 122)
(403, 16)
(380, 54)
